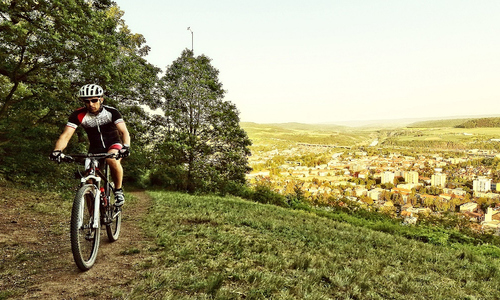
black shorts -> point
(116, 146)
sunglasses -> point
(91, 100)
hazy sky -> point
(329, 61)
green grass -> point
(439, 123)
(439, 134)
(288, 134)
(226, 248)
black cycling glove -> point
(124, 152)
(56, 156)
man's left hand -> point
(124, 152)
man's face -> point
(93, 104)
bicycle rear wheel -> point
(114, 217)
(84, 238)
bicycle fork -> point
(97, 200)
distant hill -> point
(479, 123)
(286, 133)
(296, 126)
(438, 123)
(349, 126)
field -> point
(208, 247)
(269, 136)
(281, 136)
(228, 248)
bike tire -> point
(115, 217)
(84, 239)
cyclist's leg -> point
(116, 170)
(115, 166)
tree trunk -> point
(8, 100)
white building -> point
(361, 191)
(411, 177)
(375, 193)
(470, 206)
(387, 177)
(438, 180)
(481, 184)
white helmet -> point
(90, 90)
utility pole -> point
(192, 39)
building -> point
(387, 177)
(489, 215)
(409, 186)
(456, 192)
(481, 184)
(438, 180)
(403, 192)
(375, 193)
(490, 222)
(361, 191)
(468, 207)
(411, 177)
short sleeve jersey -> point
(101, 128)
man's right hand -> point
(56, 155)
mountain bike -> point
(92, 208)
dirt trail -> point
(37, 263)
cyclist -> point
(106, 131)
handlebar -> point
(74, 157)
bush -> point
(238, 190)
(264, 194)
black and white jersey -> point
(101, 128)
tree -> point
(204, 148)
(48, 49)
(45, 44)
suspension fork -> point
(97, 197)
(97, 203)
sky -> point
(331, 61)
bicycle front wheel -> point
(84, 238)
(114, 217)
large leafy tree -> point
(48, 48)
(203, 147)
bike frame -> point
(94, 175)
(94, 183)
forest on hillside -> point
(482, 122)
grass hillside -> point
(226, 248)
(297, 126)
(284, 135)
(438, 123)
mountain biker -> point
(106, 131)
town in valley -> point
(403, 182)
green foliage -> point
(284, 135)
(48, 49)
(265, 195)
(483, 122)
(203, 148)
(438, 123)
(444, 231)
